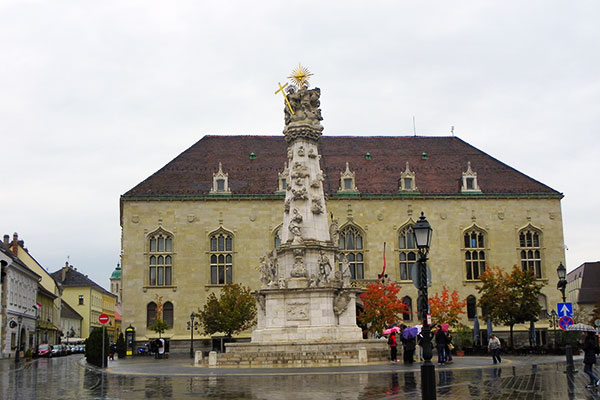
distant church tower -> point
(115, 283)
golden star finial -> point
(300, 76)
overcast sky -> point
(96, 96)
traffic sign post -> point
(103, 319)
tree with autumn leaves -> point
(446, 307)
(381, 306)
(510, 299)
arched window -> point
(160, 259)
(221, 258)
(474, 241)
(168, 313)
(150, 314)
(408, 252)
(471, 307)
(407, 301)
(530, 251)
(544, 306)
(351, 249)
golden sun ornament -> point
(300, 76)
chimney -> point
(6, 238)
(14, 247)
(63, 272)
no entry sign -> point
(103, 319)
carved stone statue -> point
(334, 232)
(324, 268)
(317, 206)
(299, 269)
(295, 224)
(306, 120)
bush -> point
(93, 348)
(121, 349)
(462, 337)
(28, 353)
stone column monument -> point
(306, 306)
(304, 295)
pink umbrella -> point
(390, 330)
(445, 327)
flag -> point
(382, 275)
(37, 306)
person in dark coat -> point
(590, 347)
(440, 342)
(409, 346)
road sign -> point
(103, 319)
(416, 276)
(563, 322)
(564, 309)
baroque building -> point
(207, 217)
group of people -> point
(412, 344)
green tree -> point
(595, 314)
(121, 349)
(93, 348)
(233, 312)
(159, 326)
(381, 306)
(510, 299)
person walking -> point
(494, 348)
(590, 347)
(408, 346)
(393, 346)
(449, 347)
(440, 342)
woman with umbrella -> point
(409, 343)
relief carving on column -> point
(297, 311)
(324, 268)
(341, 302)
(299, 269)
(317, 206)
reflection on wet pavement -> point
(65, 378)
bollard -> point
(212, 359)
(198, 357)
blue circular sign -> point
(563, 322)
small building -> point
(70, 323)
(89, 299)
(583, 288)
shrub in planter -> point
(93, 348)
(462, 338)
(28, 353)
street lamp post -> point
(192, 325)
(561, 285)
(422, 233)
(553, 323)
(18, 355)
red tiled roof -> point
(191, 173)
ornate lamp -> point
(422, 232)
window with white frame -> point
(475, 260)
(407, 180)
(531, 251)
(347, 181)
(469, 181)
(408, 253)
(221, 258)
(220, 181)
(160, 259)
(351, 249)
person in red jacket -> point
(393, 347)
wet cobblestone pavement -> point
(469, 378)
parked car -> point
(44, 350)
(58, 350)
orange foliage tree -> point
(381, 306)
(446, 307)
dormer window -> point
(469, 181)
(407, 180)
(220, 181)
(347, 182)
(283, 179)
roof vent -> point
(423, 156)
(252, 156)
(367, 156)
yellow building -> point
(207, 217)
(47, 331)
(87, 298)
